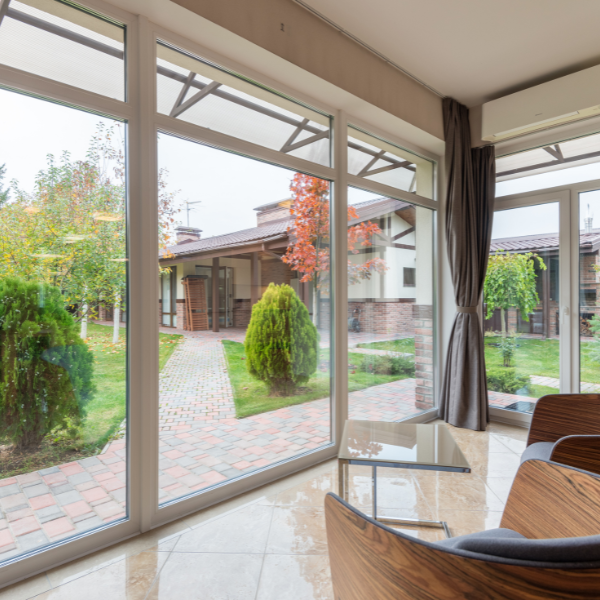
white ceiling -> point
(476, 50)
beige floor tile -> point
(295, 578)
(516, 445)
(311, 492)
(297, 530)
(500, 486)
(162, 539)
(516, 433)
(128, 579)
(243, 531)
(497, 464)
(401, 491)
(208, 577)
(24, 590)
(466, 493)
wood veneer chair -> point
(549, 505)
(565, 428)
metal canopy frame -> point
(205, 89)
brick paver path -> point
(201, 443)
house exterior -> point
(248, 261)
(545, 320)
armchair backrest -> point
(558, 415)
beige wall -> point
(315, 46)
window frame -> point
(143, 126)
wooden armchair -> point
(549, 510)
(565, 428)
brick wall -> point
(423, 322)
(274, 271)
(384, 317)
(181, 314)
(242, 310)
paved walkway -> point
(201, 443)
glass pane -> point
(64, 43)
(571, 161)
(247, 382)
(378, 160)
(390, 308)
(589, 285)
(166, 298)
(521, 307)
(63, 323)
(198, 92)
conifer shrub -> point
(388, 365)
(46, 369)
(282, 343)
(507, 381)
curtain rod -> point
(366, 46)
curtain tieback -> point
(471, 310)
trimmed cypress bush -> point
(46, 369)
(282, 343)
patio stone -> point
(36, 490)
(32, 540)
(68, 498)
(9, 490)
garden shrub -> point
(506, 380)
(46, 369)
(387, 365)
(282, 344)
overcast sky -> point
(228, 186)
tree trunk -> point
(116, 321)
(503, 322)
(84, 322)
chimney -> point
(187, 234)
(588, 220)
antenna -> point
(187, 209)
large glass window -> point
(390, 308)
(63, 323)
(247, 266)
(198, 92)
(59, 41)
(589, 291)
(522, 307)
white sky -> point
(228, 186)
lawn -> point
(105, 412)
(541, 357)
(405, 345)
(252, 397)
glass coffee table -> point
(402, 446)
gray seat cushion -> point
(538, 451)
(505, 543)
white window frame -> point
(142, 159)
(568, 198)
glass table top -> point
(419, 444)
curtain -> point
(469, 214)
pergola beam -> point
(564, 161)
(181, 107)
(183, 92)
(209, 89)
(4, 10)
(556, 152)
(405, 164)
(366, 168)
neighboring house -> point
(248, 260)
(545, 320)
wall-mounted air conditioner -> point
(570, 98)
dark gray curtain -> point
(469, 213)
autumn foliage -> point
(309, 252)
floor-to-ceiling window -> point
(391, 248)
(540, 298)
(63, 279)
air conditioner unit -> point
(570, 98)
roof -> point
(277, 230)
(548, 241)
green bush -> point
(46, 369)
(387, 365)
(506, 380)
(281, 341)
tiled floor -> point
(270, 544)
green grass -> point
(252, 397)
(107, 409)
(406, 345)
(541, 357)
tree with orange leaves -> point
(309, 252)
